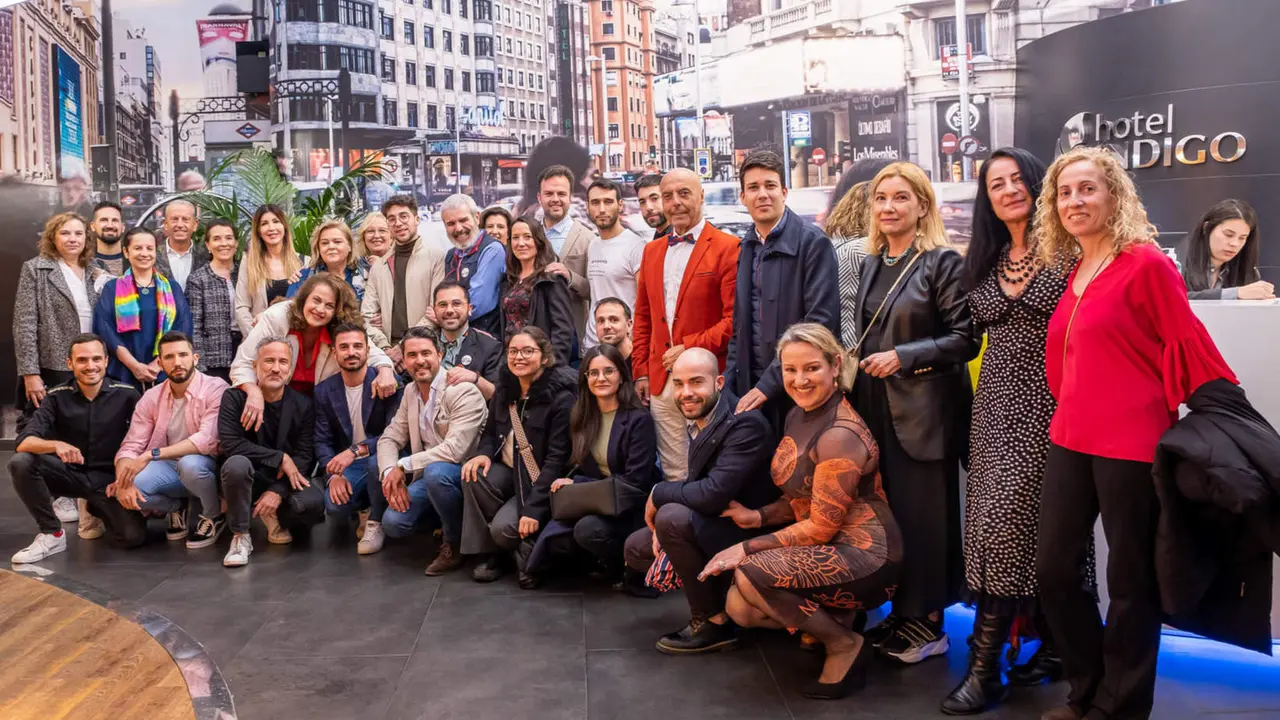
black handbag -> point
(593, 497)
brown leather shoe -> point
(447, 560)
(1060, 713)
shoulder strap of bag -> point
(522, 445)
(858, 348)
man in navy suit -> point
(349, 420)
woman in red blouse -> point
(1124, 351)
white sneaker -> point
(372, 540)
(91, 527)
(241, 549)
(43, 546)
(65, 509)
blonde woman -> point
(914, 394)
(269, 266)
(1123, 352)
(333, 250)
(373, 241)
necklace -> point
(891, 261)
(1016, 272)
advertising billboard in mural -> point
(218, 38)
(877, 127)
(70, 116)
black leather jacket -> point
(927, 322)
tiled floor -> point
(313, 632)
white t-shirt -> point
(79, 295)
(611, 271)
(355, 408)
(177, 430)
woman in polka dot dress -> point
(1011, 297)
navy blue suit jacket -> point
(633, 459)
(333, 419)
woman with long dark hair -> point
(1011, 295)
(613, 441)
(1220, 255)
(532, 296)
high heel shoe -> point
(854, 679)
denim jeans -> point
(440, 475)
(166, 482)
(358, 474)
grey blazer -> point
(44, 315)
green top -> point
(600, 448)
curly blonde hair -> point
(1128, 224)
(48, 238)
(851, 214)
(353, 251)
(930, 233)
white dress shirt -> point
(673, 267)
(179, 264)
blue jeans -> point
(359, 474)
(422, 498)
(166, 482)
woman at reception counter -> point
(1220, 255)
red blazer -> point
(704, 310)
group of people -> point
(774, 424)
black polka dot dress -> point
(1009, 440)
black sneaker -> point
(488, 569)
(916, 640)
(700, 636)
(632, 584)
(883, 631)
(177, 527)
(207, 531)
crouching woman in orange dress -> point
(841, 549)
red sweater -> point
(1136, 352)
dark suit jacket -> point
(551, 310)
(482, 353)
(633, 459)
(797, 284)
(333, 419)
(199, 257)
(927, 322)
(729, 460)
(296, 437)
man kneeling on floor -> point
(440, 423)
(269, 460)
(729, 456)
(170, 453)
(67, 449)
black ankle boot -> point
(982, 686)
(1043, 666)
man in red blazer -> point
(684, 300)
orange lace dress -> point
(843, 550)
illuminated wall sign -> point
(1147, 140)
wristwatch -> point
(355, 450)
(155, 454)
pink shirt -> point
(150, 426)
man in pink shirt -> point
(170, 452)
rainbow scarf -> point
(128, 319)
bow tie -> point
(674, 239)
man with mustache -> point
(349, 419)
(67, 449)
(397, 295)
(170, 453)
(469, 354)
(440, 425)
(569, 238)
(264, 473)
(107, 227)
(476, 260)
(649, 193)
(614, 259)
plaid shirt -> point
(213, 331)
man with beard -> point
(180, 256)
(476, 260)
(397, 295)
(440, 425)
(613, 261)
(67, 447)
(470, 355)
(107, 227)
(569, 238)
(613, 325)
(170, 453)
(729, 456)
(349, 418)
(649, 193)
(265, 472)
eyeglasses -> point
(522, 352)
(606, 373)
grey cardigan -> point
(44, 315)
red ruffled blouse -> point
(1135, 353)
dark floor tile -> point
(313, 688)
(495, 624)
(222, 628)
(645, 684)
(620, 622)
(522, 680)
(346, 616)
(211, 583)
(125, 581)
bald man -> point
(684, 300)
(180, 256)
(729, 456)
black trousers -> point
(1112, 671)
(242, 485)
(37, 479)
(599, 536)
